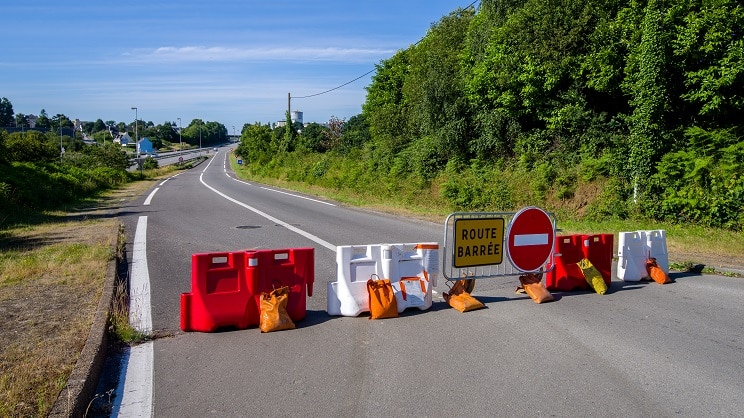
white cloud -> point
(221, 53)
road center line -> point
(294, 229)
(152, 194)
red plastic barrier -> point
(267, 269)
(219, 294)
(566, 274)
(599, 249)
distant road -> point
(173, 157)
(641, 350)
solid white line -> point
(140, 316)
(134, 397)
(294, 229)
(530, 239)
(296, 195)
(239, 181)
(149, 198)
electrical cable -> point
(368, 72)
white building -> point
(296, 116)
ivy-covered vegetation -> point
(594, 109)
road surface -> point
(643, 349)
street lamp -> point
(61, 148)
(136, 144)
(180, 143)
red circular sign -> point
(530, 239)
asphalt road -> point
(641, 350)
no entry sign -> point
(530, 239)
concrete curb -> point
(74, 398)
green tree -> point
(385, 108)
(283, 138)
(107, 155)
(166, 132)
(333, 133)
(711, 47)
(355, 134)
(311, 137)
(30, 146)
(434, 86)
(255, 143)
(6, 112)
(99, 126)
(43, 122)
(21, 121)
(3, 150)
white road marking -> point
(134, 397)
(149, 198)
(294, 229)
(296, 195)
(139, 281)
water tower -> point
(296, 116)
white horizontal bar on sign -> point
(530, 239)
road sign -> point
(240, 162)
(180, 159)
(530, 239)
(478, 242)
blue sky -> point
(229, 61)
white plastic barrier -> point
(348, 295)
(410, 261)
(631, 263)
(635, 248)
(657, 248)
(355, 264)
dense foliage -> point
(600, 108)
(34, 176)
(54, 162)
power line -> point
(337, 87)
(368, 72)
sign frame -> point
(505, 269)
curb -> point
(74, 398)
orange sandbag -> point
(461, 300)
(532, 285)
(656, 273)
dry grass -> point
(51, 279)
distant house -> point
(144, 146)
(123, 139)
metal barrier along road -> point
(494, 244)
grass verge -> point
(689, 246)
(51, 278)
(52, 273)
